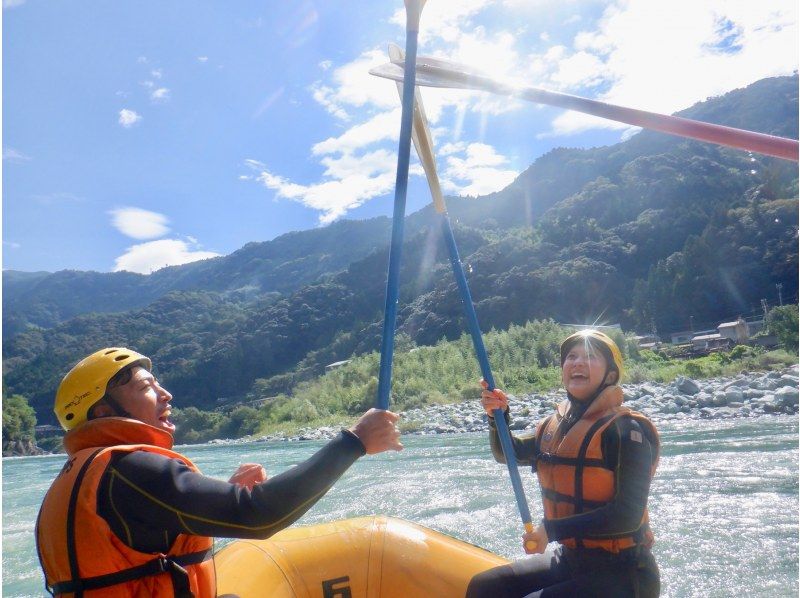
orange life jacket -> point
(79, 553)
(572, 472)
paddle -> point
(435, 72)
(424, 144)
(413, 12)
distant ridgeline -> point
(646, 232)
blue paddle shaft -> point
(400, 189)
(486, 370)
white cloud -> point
(629, 132)
(128, 118)
(202, 59)
(157, 92)
(349, 182)
(638, 53)
(348, 165)
(139, 224)
(581, 69)
(479, 172)
(13, 3)
(444, 20)
(14, 156)
(145, 258)
(493, 53)
(323, 95)
(452, 148)
(350, 90)
(448, 32)
(664, 58)
(382, 126)
(351, 85)
(357, 164)
(11, 244)
(160, 95)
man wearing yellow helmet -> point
(594, 460)
(128, 516)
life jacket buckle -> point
(178, 574)
(164, 564)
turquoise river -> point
(724, 503)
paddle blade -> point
(395, 73)
(421, 136)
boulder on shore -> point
(686, 386)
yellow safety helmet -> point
(85, 384)
(599, 340)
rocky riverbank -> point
(746, 395)
(22, 448)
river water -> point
(724, 503)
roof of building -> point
(337, 364)
(706, 337)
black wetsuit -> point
(148, 499)
(585, 572)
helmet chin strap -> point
(115, 406)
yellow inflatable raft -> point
(367, 557)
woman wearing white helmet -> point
(594, 460)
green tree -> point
(782, 322)
(194, 425)
(242, 421)
(19, 419)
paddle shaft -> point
(398, 217)
(761, 143)
(421, 136)
(486, 370)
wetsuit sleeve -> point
(629, 453)
(160, 494)
(524, 446)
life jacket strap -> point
(552, 459)
(557, 497)
(643, 536)
(174, 565)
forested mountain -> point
(649, 231)
(282, 265)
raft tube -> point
(366, 557)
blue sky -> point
(143, 134)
